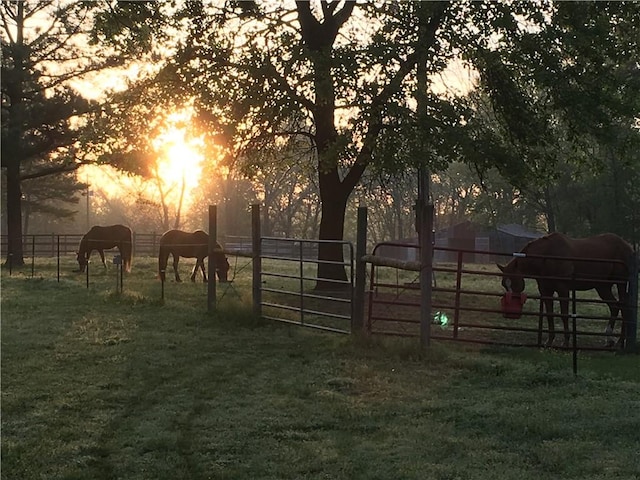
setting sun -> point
(180, 161)
(172, 176)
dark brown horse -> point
(104, 238)
(190, 245)
(562, 275)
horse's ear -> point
(500, 267)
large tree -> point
(347, 69)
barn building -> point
(468, 236)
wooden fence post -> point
(213, 237)
(425, 227)
(357, 316)
(257, 260)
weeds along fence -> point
(466, 305)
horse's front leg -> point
(176, 259)
(204, 272)
(194, 272)
(624, 299)
(101, 252)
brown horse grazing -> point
(190, 245)
(537, 261)
(104, 238)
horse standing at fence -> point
(103, 238)
(573, 270)
(190, 245)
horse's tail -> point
(81, 254)
(127, 252)
(163, 258)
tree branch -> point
(44, 172)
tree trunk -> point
(334, 197)
(15, 253)
(549, 213)
(319, 38)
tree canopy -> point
(353, 87)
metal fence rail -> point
(147, 245)
(48, 245)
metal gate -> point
(287, 281)
(466, 305)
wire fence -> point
(51, 245)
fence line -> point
(144, 245)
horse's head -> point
(222, 268)
(512, 279)
(82, 261)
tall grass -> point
(102, 385)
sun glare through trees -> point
(179, 158)
(173, 175)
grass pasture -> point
(102, 385)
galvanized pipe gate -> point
(283, 280)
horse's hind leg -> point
(101, 252)
(199, 264)
(548, 304)
(176, 259)
(606, 294)
(163, 257)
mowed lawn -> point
(102, 385)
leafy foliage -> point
(559, 101)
